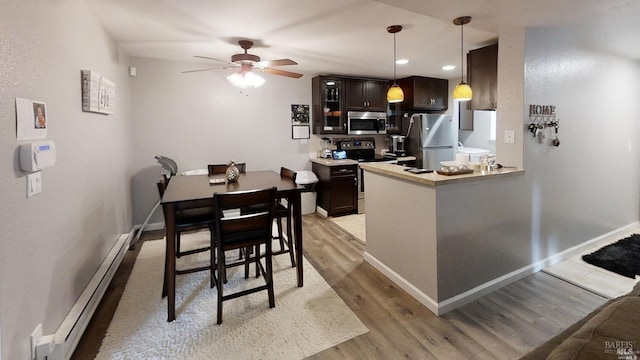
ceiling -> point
(349, 36)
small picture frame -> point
(300, 132)
(299, 114)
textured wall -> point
(199, 118)
(590, 184)
(53, 242)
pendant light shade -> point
(462, 92)
(395, 93)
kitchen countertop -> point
(331, 162)
(435, 179)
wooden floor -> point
(505, 324)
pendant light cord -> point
(394, 58)
(462, 52)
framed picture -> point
(299, 114)
(300, 132)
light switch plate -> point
(509, 137)
(34, 183)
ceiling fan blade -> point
(190, 71)
(279, 62)
(283, 73)
(210, 58)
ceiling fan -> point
(247, 63)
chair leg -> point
(221, 271)
(257, 260)
(247, 261)
(290, 240)
(280, 237)
(269, 274)
(178, 253)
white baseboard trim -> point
(423, 298)
(322, 211)
(154, 226)
(440, 308)
(70, 331)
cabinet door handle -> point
(355, 181)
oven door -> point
(366, 123)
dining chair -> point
(222, 168)
(283, 210)
(249, 230)
(187, 219)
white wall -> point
(590, 184)
(53, 242)
(199, 119)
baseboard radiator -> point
(70, 331)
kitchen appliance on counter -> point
(362, 151)
(396, 146)
(430, 138)
(366, 123)
(325, 153)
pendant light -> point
(395, 94)
(462, 92)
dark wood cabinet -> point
(394, 118)
(366, 95)
(337, 188)
(327, 101)
(424, 93)
(483, 77)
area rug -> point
(621, 257)
(353, 224)
(305, 320)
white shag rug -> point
(305, 320)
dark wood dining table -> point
(196, 191)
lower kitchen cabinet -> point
(337, 188)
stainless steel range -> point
(362, 150)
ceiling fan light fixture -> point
(395, 93)
(462, 92)
(246, 79)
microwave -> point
(366, 123)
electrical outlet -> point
(509, 137)
(35, 336)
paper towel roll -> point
(462, 159)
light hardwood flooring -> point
(505, 324)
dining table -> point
(197, 191)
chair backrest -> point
(252, 226)
(222, 168)
(287, 173)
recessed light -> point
(402, 61)
(331, 83)
(448, 67)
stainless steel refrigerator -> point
(430, 138)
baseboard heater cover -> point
(70, 331)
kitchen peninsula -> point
(451, 235)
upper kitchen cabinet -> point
(424, 93)
(366, 94)
(327, 99)
(483, 77)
